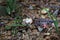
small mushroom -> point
(28, 20)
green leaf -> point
(11, 5)
(8, 10)
(14, 32)
(7, 27)
(54, 18)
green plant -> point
(54, 18)
(11, 6)
(17, 22)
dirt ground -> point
(29, 9)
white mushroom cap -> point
(28, 20)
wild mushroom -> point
(28, 20)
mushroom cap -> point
(28, 20)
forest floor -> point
(15, 27)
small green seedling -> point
(53, 17)
(11, 5)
